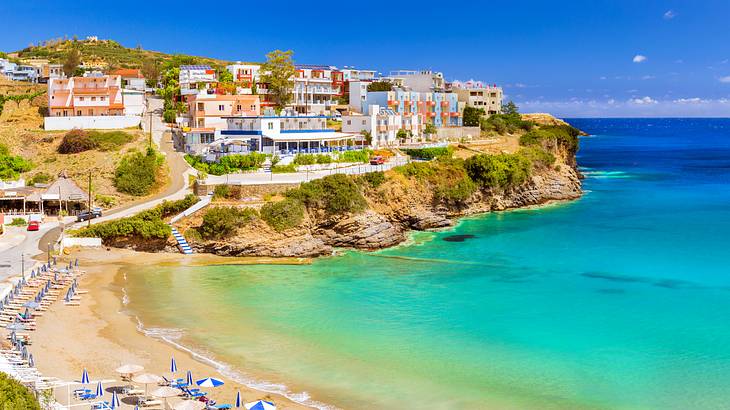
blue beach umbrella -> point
(260, 405)
(99, 390)
(173, 366)
(24, 353)
(239, 403)
(115, 404)
(85, 377)
(31, 362)
(209, 382)
(189, 379)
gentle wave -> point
(172, 335)
(606, 174)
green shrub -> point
(284, 169)
(223, 221)
(429, 153)
(283, 215)
(355, 156)
(324, 159)
(105, 201)
(136, 173)
(76, 141)
(147, 224)
(455, 193)
(228, 163)
(18, 222)
(498, 171)
(471, 116)
(11, 166)
(537, 156)
(418, 170)
(15, 396)
(305, 159)
(336, 194)
(505, 123)
(551, 136)
(221, 191)
(374, 179)
(39, 178)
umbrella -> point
(189, 405)
(146, 378)
(99, 390)
(238, 399)
(84, 377)
(173, 366)
(32, 305)
(31, 362)
(209, 382)
(15, 326)
(24, 352)
(260, 405)
(164, 392)
(115, 401)
(189, 379)
(129, 369)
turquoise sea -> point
(620, 300)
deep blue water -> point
(619, 300)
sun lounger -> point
(150, 403)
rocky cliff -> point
(393, 209)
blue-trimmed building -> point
(439, 109)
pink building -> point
(85, 96)
(209, 110)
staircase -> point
(181, 242)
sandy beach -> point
(98, 337)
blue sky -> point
(570, 58)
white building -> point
(317, 89)
(245, 76)
(193, 77)
(479, 95)
(383, 125)
(19, 72)
(423, 81)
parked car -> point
(377, 160)
(34, 225)
(86, 215)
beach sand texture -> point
(99, 337)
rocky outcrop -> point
(367, 230)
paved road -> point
(18, 245)
(261, 178)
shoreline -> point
(112, 337)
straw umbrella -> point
(128, 370)
(165, 392)
(146, 378)
(189, 405)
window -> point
(78, 113)
(81, 98)
(91, 112)
(253, 107)
(103, 98)
(221, 107)
(92, 98)
(271, 125)
(349, 122)
(238, 107)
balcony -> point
(444, 103)
(392, 102)
(431, 103)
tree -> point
(402, 135)
(472, 115)
(73, 59)
(14, 395)
(368, 137)
(380, 86)
(151, 72)
(278, 72)
(225, 76)
(510, 108)
(430, 129)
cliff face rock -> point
(367, 230)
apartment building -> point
(422, 81)
(245, 75)
(209, 111)
(357, 80)
(317, 88)
(85, 96)
(382, 124)
(436, 108)
(479, 95)
(19, 72)
(132, 78)
(194, 77)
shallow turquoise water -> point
(618, 300)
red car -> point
(378, 160)
(34, 225)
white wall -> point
(67, 241)
(134, 103)
(103, 122)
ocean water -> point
(620, 300)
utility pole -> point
(150, 112)
(48, 249)
(89, 206)
(22, 265)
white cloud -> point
(643, 101)
(694, 100)
(639, 58)
(725, 79)
(603, 77)
(679, 61)
(648, 77)
(669, 14)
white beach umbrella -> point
(165, 392)
(189, 405)
(146, 378)
(129, 369)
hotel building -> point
(479, 95)
(85, 96)
(194, 77)
(436, 108)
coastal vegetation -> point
(19, 97)
(15, 396)
(429, 153)
(472, 115)
(77, 140)
(284, 169)
(552, 136)
(284, 214)
(380, 86)
(229, 163)
(147, 224)
(137, 173)
(222, 221)
(277, 73)
(334, 194)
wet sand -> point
(99, 337)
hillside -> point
(104, 53)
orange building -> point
(209, 110)
(85, 96)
